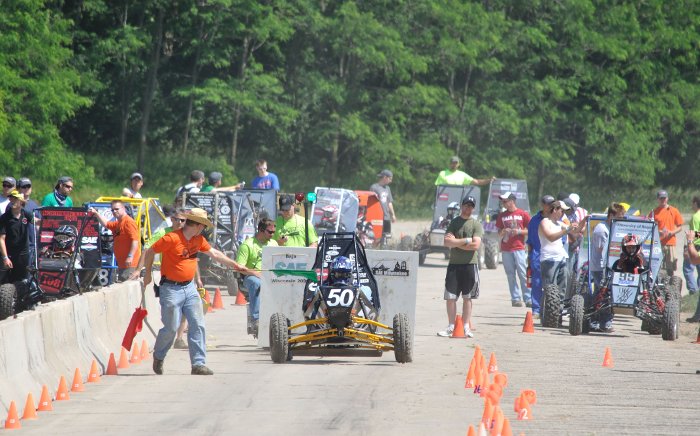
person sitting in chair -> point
(631, 258)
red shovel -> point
(136, 323)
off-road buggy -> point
(235, 216)
(645, 293)
(447, 204)
(340, 319)
(489, 254)
(66, 261)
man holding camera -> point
(290, 230)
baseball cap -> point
(385, 173)
(469, 199)
(64, 179)
(562, 195)
(286, 202)
(134, 175)
(24, 181)
(10, 180)
(454, 159)
(507, 196)
(569, 204)
(563, 205)
(214, 177)
(15, 193)
(547, 199)
(575, 198)
(662, 194)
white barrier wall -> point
(397, 289)
(40, 346)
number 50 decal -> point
(340, 297)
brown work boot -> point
(157, 366)
(201, 370)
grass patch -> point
(689, 303)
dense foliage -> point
(587, 94)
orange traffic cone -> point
(607, 359)
(111, 366)
(482, 429)
(207, 298)
(477, 352)
(12, 418)
(144, 350)
(77, 385)
(488, 414)
(494, 393)
(530, 395)
(30, 408)
(123, 359)
(45, 403)
(493, 365)
(501, 379)
(135, 354)
(528, 327)
(62, 393)
(240, 299)
(497, 422)
(469, 382)
(525, 413)
(458, 332)
(471, 431)
(94, 375)
(507, 430)
(218, 303)
(517, 406)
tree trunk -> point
(195, 78)
(150, 89)
(237, 112)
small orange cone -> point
(471, 431)
(144, 350)
(494, 393)
(530, 395)
(111, 366)
(488, 414)
(607, 359)
(497, 422)
(45, 403)
(240, 299)
(123, 359)
(94, 375)
(507, 430)
(458, 332)
(207, 298)
(501, 379)
(12, 418)
(218, 303)
(469, 382)
(493, 365)
(30, 408)
(77, 385)
(517, 406)
(477, 352)
(528, 327)
(62, 393)
(135, 354)
(525, 413)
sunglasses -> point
(116, 210)
(68, 186)
(7, 185)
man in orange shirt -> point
(177, 292)
(670, 222)
(127, 240)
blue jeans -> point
(554, 272)
(536, 281)
(175, 301)
(252, 284)
(515, 265)
(692, 276)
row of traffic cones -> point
(63, 393)
(218, 302)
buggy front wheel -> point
(576, 315)
(8, 292)
(551, 310)
(403, 350)
(669, 329)
(279, 338)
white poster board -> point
(395, 272)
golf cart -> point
(340, 319)
(447, 204)
(491, 242)
(644, 293)
(235, 216)
(370, 218)
(66, 261)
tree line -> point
(600, 95)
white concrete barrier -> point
(397, 290)
(40, 346)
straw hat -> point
(199, 216)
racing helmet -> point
(452, 208)
(330, 211)
(64, 238)
(341, 271)
(630, 244)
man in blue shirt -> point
(533, 242)
(265, 179)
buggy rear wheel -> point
(669, 328)
(490, 253)
(8, 293)
(673, 290)
(279, 338)
(232, 285)
(576, 315)
(551, 310)
(403, 351)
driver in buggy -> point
(631, 258)
(62, 243)
(453, 210)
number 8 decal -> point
(340, 297)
